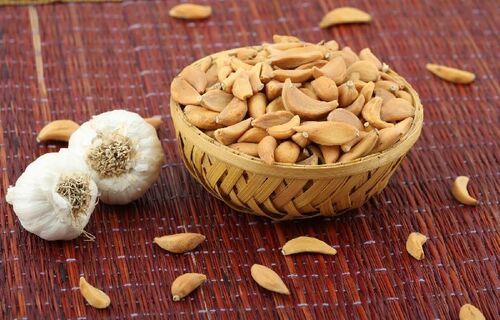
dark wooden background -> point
(75, 60)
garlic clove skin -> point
(40, 196)
(123, 153)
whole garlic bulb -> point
(123, 153)
(55, 196)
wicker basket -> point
(288, 191)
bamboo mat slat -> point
(75, 60)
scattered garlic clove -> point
(185, 284)
(180, 242)
(414, 245)
(95, 297)
(451, 74)
(344, 15)
(58, 130)
(155, 121)
(470, 312)
(268, 279)
(190, 11)
(460, 192)
(307, 244)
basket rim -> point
(322, 171)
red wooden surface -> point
(76, 60)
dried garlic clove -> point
(254, 135)
(367, 90)
(357, 106)
(274, 89)
(300, 104)
(396, 109)
(335, 69)
(310, 65)
(183, 92)
(389, 136)
(346, 147)
(195, 77)
(58, 130)
(367, 54)
(404, 95)
(155, 121)
(201, 117)
(362, 148)
(233, 113)
(236, 64)
(325, 88)
(386, 95)
(388, 85)
(328, 133)
(95, 297)
(284, 39)
(272, 119)
(266, 149)
(190, 11)
(275, 105)
(365, 70)
(310, 161)
(223, 72)
(287, 152)
(344, 15)
(451, 74)
(307, 244)
(343, 115)
(299, 139)
(216, 100)
(294, 75)
(231, 134)
(414, 245)
(371, 113)
(246, 147)
(180, 242)
(285, 130)
(330, 153)
(266, 72)
(246, 53)
(254, 77)
(470, 312)
(331, 45)
(257, 105)
(268, 279)
(295, 57)
(460, 192)
(242, 88)
(227, 84)
(205, 63)
(347, 94)
(185, 284)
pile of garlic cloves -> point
(116, 156)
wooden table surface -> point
(71, 61)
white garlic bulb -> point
(123, 153)
(55, 196)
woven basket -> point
(288, 191)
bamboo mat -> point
(75, 60)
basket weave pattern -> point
(288, 191)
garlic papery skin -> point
(55, 196)
(123, 153)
